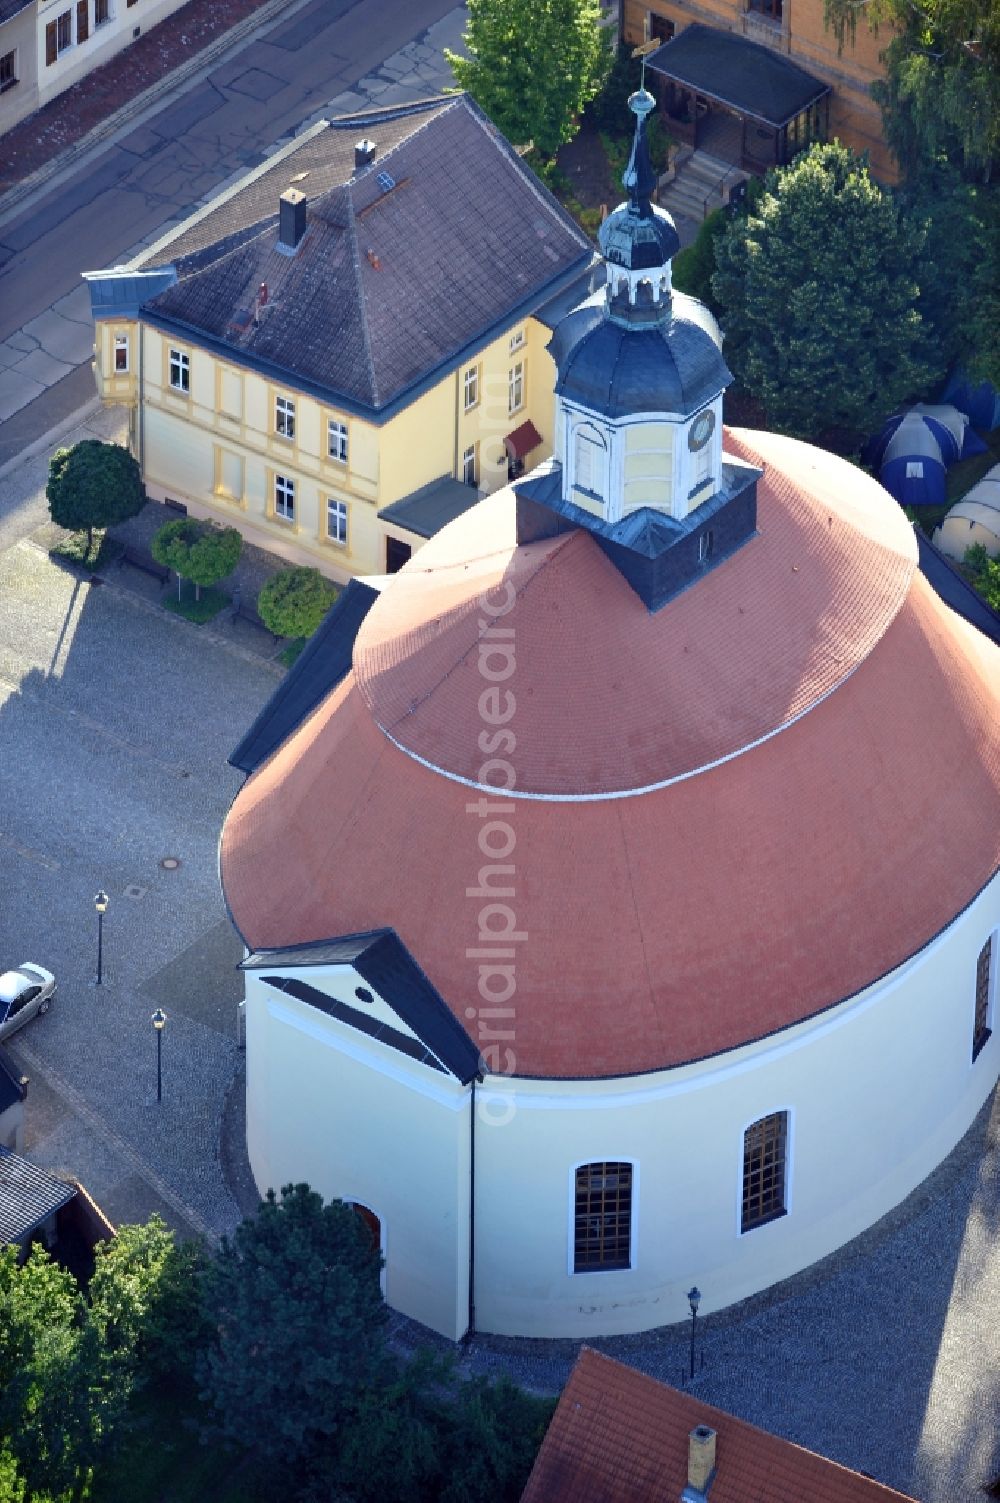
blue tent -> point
(915, 448)
(981, 404)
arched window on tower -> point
(602, 1217)
(590, 462)
(765, 1157)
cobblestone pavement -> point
(115, 722)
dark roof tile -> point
(27, 1196)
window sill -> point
(764, 1221)
(11, 83)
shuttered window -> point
(51, 49)
(82, 20)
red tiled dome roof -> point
(686, 920)
(610, 697)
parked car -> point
(23, 993)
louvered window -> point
(602, 1220)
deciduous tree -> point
(294, 601)
(200, 551)
(819, 294)
(533, 65)
(93, 485)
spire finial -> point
(639, 179)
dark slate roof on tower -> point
(424, 254)
(669, 367)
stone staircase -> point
(700, 184)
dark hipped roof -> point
(752, 79)
(618, 1436)
(11, 8)
(319, 667)
(10, 1081)
(954, 590)
(385, 963)
(28, 1195)
(446, 238)
(427, 510)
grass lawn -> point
(103, 550)
(964, 475)
(199, 611)
(160, 1459)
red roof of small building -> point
(681, 922)
(618, 1436)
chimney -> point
(22, 1086)
(701, 1460)
(364, 154)
(291, 218)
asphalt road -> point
(155, 173)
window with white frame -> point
(180, 371)
(470, 469)
(102, 12)
(121, 353)
(336, 521)
(981, 1029)
(64, 30)
(515, 387)
(765, 1152)
(470, 387)
(517, 340)
(284, 417)
(602, 1217)
(336, 440)
(8, 70)
(284, 498)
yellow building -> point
(48, 45)
(346, 349)
(742, 92)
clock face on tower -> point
(701, 430)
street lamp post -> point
(158, 1019)
(101, 904)
(694, 1300)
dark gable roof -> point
(28, 1195)
(320, 666)
(385, 963)
(954, 590)
(390, 285)
(11, 8)
(752, 79)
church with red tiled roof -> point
(619, 880)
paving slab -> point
(16, 391)
(76, 306)
(66, 339)
(44, 369)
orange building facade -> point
(793, 29)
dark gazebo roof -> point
(749, 78)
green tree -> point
(960, 285)
(533, 65)
(294, 601)
(494, 1432)
(53, 1411)
(145, 1301)
(984, 573)
(941, 92)
(200, 551)
(93, 485)
(297, 1313)
(819, 289)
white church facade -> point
(616, 916)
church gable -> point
(399, 1006)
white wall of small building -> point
(878, 1090)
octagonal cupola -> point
(638, 239)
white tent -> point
(974, 519)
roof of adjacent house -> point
(752, 79)
(10, 1081)
(618, 1436)
(28, 1196)
(746, 786)
(406, 264)
(427, 510)
(11, 8)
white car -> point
(23, 993)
